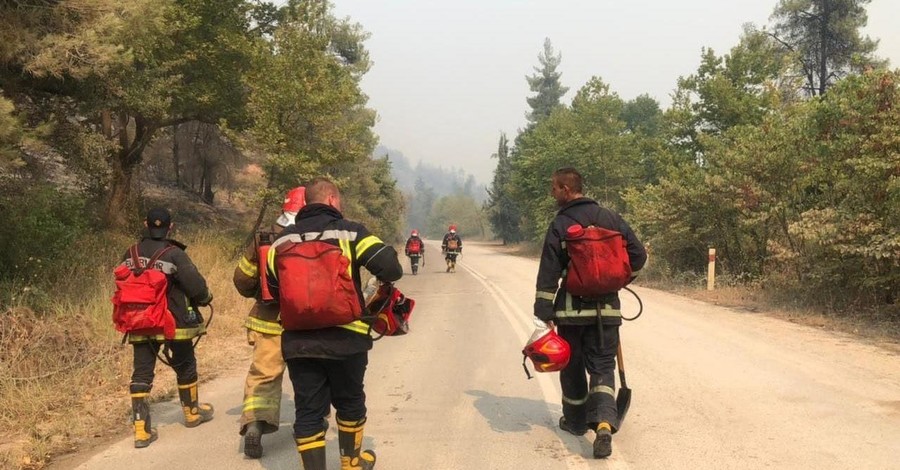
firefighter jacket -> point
(187, 287)
(364, 250)
(263, 316)
(552, 302)
(447, 238)
(421, 245)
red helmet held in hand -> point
(548, 351)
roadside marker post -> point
(711, 270)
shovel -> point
(623, 398)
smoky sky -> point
(449, 76)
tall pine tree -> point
(824, 36)
(545, 82)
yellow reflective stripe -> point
(544, 295)
(180, 335)
(575, 401)
(140, 395)
(260, 403)
(311, 445)
(367, 243)
(247, 267)
(345, 250)
(610, 312)
(270, 262)
(307, 440)
(263, 326)
(187, 386)
(603, 389)
(357, 327)
(351, 426)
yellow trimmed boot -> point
(312, 451)
(350, 437)
(195, 413)
(603, 441)
(144, 434)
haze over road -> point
(713, 388)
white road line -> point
(520, 322)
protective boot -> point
(350, 437)
(195, 413)
(312, 451)
(603, 441)
(144, 434)
(253, 440)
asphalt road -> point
(712, 388)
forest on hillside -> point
(781, 153)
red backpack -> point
(598, 261)
(415, 246)
(140, 305)
(315, 288)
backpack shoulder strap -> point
(156, 256)
(135, 260)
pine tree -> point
(824, 35)
(545, 82)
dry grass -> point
(64, 374)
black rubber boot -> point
(603, 441)
(312, 451)
(144, 434)
(253, 440)
(571, 428)
(350, 436)
(195, 413)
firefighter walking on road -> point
(415, 250)
(186, 288)
(589, 324)
(451, 246)
(262, 389)
(314, 266)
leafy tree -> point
(504, 212)
(824, 37)
(307, 110)
(459, 209)
(10, 134)
(546, 84)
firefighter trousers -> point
(320, 383)
(182, 361)
(262, 389)
(589, 382)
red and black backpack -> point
(598, 261)
(140, 304)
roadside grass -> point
(64, 373)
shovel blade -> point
(623, 402)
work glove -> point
(543, 309)
(205, 302)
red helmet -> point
(294, 200)
(452, 229)
(414, 233)
(547, 351)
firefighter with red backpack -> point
(262, 388)
(415, 250)
(155, 304)
(451, 247)
(314, 270)
(595, 253)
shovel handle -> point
(620, 362)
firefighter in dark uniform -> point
(187, 289)
(587, 404)
(262, 388)
(327, 366)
